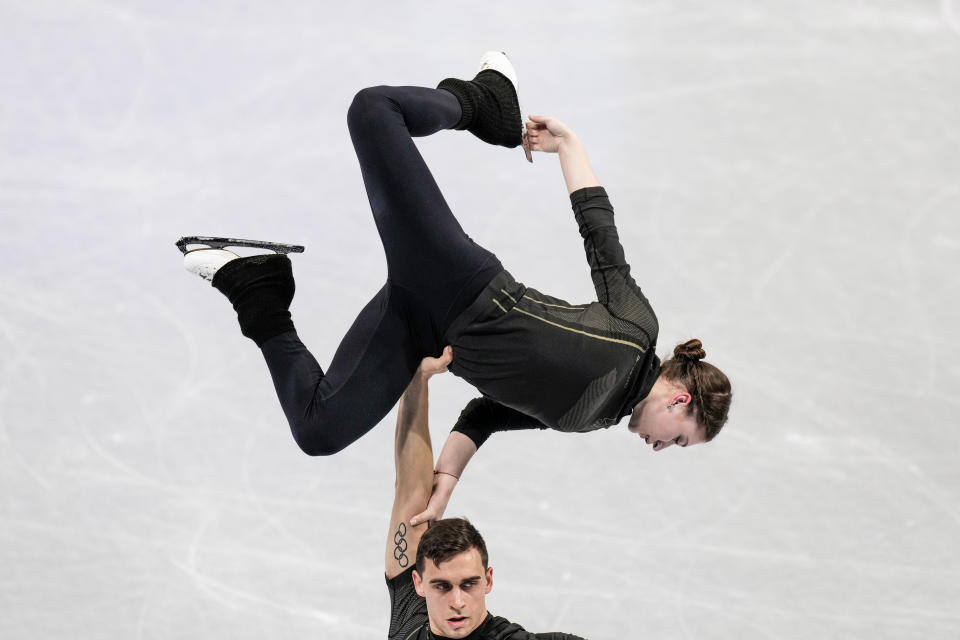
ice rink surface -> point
(786, 177)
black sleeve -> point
(483, 416)
(616, 289)
(556, 635)
(408, 611)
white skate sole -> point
(206, 262)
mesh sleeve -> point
(616, 289)
(483, 416)
(408, 611)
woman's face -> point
(662, 420)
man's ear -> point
(489, 579)
(681, 398)
(418, 583)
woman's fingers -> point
(434, 510)
(443, 484)
(540, 139)
(421, 517)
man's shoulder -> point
(497, 628)
(408, 609)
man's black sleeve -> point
(483, 416)
(408, 611)
(555, 635)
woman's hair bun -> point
(691, 350)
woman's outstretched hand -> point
(443, 486)
(546, 133)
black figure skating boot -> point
(260, 287)
(490, 104)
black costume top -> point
(409, 621)
(541, 362)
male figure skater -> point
(438, 577)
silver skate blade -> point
(526, 146)
(222, 243)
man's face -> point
(456, 593)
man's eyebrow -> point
(442, 581)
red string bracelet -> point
(436, 471)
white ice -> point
(786, 177)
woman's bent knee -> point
(317, 447)
(368, 104)
(316, 440)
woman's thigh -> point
(426, 248)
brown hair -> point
(447, 538)
(707, 385)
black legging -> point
(434, 271)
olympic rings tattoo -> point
(400, 551)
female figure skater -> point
(539, 361)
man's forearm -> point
(413, 458)
(576, 168)
(412, 451)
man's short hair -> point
(447, 538)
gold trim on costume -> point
(547, 304)
(591, 335)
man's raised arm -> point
(413, 457)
